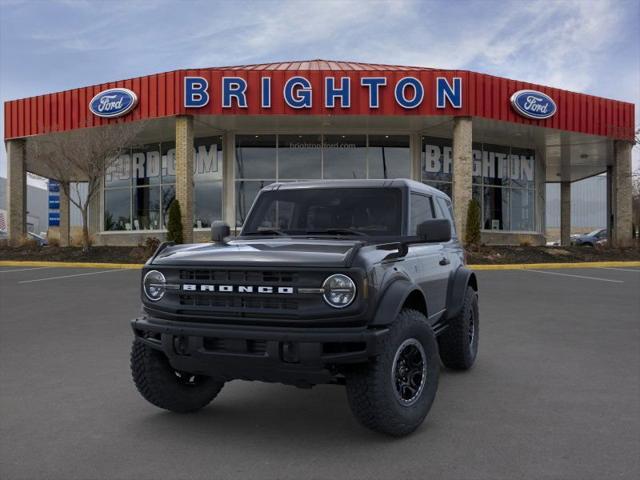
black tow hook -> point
(181, 345)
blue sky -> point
(582, 45)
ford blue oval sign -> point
(114, 102)
(533, 104)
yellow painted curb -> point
(525, 266)
(509, 266)
(29, 263)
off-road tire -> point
(458, 343)
(162, 386)
(371, 387)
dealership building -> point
(212, 138)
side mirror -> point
(435, 230)
(219, 231)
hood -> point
(289, 252)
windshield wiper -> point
(268, 231)
(336, 231)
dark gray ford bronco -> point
(360, 283)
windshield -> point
(327, 211)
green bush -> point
(472, 234)
(174, 226)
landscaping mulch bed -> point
(75, 254)
(501, 255)
(484, 255)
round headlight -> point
(154, 285)
(339, 290)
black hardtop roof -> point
(374, 183)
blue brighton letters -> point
(297, 92)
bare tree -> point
(84, 156)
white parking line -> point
(576, 276)
(637, 270)
(23, 269)
(69, 276)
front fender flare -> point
(392, 301)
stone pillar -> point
(16, 191)
(462, 171)
(228, 179)
(65, 216)
(565, 213)
(621, 183)
(184, 173)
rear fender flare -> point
(460, 280)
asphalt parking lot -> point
(555, 393)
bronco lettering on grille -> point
(192, 287)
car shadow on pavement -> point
(275, 412)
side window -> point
(421, 209)
(447, 212)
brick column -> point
(462, 171)
(184, 173)
(565, 213)
(621, 185)
(16, 191)
(65, 216)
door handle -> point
(444, 261)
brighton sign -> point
(298, 93)
(113, 103)
(533, 104)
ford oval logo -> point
(533, 104)
(114, 102)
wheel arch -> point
(460, 280)
(398, 295)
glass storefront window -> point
(521, 210)
(146, 208)
(495, 165)
(145, 165)
(208, 203)
(496, 208)
(522, 167)
(344, 156)
(168, 162)
(500, 176)
(149, 172)
(436, 160)
(207, 160)
(299, 156)
(168, 195)
(256, 156)
(117, 205)
(389, 156)
(118, 174)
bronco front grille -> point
(238, 302)
(269, 277)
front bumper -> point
(300, 356)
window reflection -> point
(389, 156)
(345, 156)
(255, 156)
(299, 156)
(117, 205)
